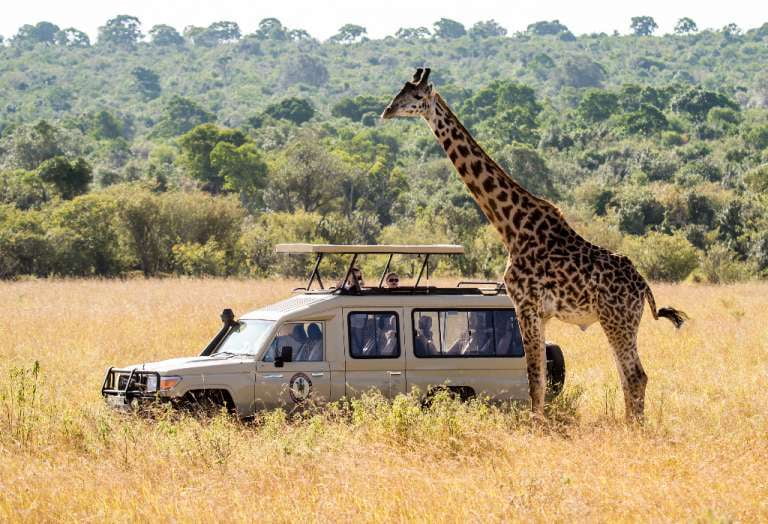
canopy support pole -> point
(386, 269)
(421, 271)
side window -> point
(509, 341)
(466, 333)
(306, 339)
(374, 335)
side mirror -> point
(286, 355)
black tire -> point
(555, 370)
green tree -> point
(685, 25)
(731, 32)
(40, 33)
(349, 33)
(28, 146)
(643, 25)
(306, 177)
(196, 148)
(646, 120)
(696, 102)
(85, 237)
(305, 69)
(217, 33)
(297, 110)
(71, 37)
(355, 108)
(121, 31)
(180, 115)
(547, 28)
(69, 177)
(412, 33)
(448, 29)
(528, 167)
(271, 29)
(486, 29)
(669, 258)
(242, 169)
(165, 35)
(147, 82)
(597, 105)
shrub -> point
(193, 258)
(668, 258)
(720, 265)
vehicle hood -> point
(196, 365)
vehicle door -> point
(374, 351)
(306, 379)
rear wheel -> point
(555, 370)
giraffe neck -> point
(505, 203)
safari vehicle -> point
(323, 344)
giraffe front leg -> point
(535, 356)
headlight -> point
(168, 382)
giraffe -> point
(551, 271)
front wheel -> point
(555, 370)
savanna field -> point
(701, 456)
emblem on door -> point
(300, 387)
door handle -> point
(318, 374)
(393, 373)
(274, 375)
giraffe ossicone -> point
(552, 272)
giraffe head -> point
(414, 99)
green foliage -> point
(349, 33)
(197, 147)
(448, 29)
(597, 105)
(486, 29)
(195, 259)
(355, 108)
(147, 83)
(69, 177)
(165, 35)
(720, 265)
(643, 25)
(697, 102)
(646, 120)
(530, 169)
(669, 258)
(628, 135)
(297, 110)
(547, 28)
(121, 31)
(180, 115)
(685, 25)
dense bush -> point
(658, 256)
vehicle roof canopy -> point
(364, 249)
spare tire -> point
(555, 370)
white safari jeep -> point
(323, 344)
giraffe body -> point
(552, 272)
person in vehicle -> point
(392, 280)
(476, 340)
(355, 280)
(510, 343)
(312, 349)
(387, 336)
(425, 344)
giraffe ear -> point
(417, 76)
(425, 76)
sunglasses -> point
(393, 281)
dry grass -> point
(703, 455)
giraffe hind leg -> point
(623, 340)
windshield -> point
(246, 337)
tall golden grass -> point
(702, 455)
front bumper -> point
(129, 389)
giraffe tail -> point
(676, 316)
